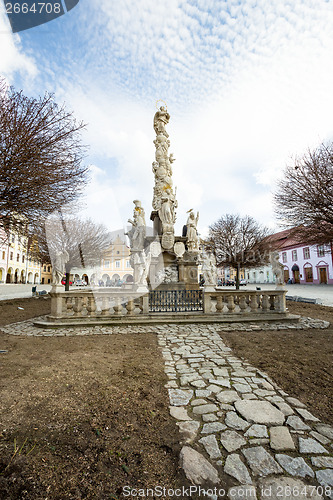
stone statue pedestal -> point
(209, 288)
(57, 288)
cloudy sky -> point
(248, 85)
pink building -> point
(305, 264)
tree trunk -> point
(237, 277)
(67, 280)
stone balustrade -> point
(97, 303)
(101, 304)
(245, 302)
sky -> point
(248, 85)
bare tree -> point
(40, 158)
(83, 240)
(304, 198)
(239, 242)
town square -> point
(166, 250)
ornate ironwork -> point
(175, 300)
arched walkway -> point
(2, 274)
(17, 276)
(36, 280)
(128, 278)
(30, 277)
(85, 278)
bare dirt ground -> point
(82, 417)
(299, 361)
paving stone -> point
(295, 402)
(242, 387)
(243, 492)
(326, 430)
(307, 415)
(172, 384)
(257, 430)
(263, 392)
(223, 382)
(198, 402)
(319, 437)
(213, 427)
(226, 407)
(227, 396)
(237, 469)
(197, 469)
(198, 383)
(280, 438)
(295, 466)
(211, 446)
(179, 413)
(215, 389)
(188, 430)
(285, 408)
(260, 412)
(231, 440)
(309, 445)
(325, 478)
(297, 424)
(179, 397)
(201, 410)
(220, 372)
(186, 379)
(261, 462)
(322, 462)
(249, 396)
(258, 441)
(282, 488)
(209, 417)
(234, 421)
(202, 393)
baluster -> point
(105, 305)
(130, 307)
(265, 303)
(118, 307)
(242, 303)
(219, 303)
(91, 306)
(272, 302)
(230, 303)
(253, 302)
(68, 305)
(78, 306)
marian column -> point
(164, 201)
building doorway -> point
(295, 270)
(323, 275)
(286, 275)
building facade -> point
(15, 264)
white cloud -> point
(13, 59)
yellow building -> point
(46, 274)
(115, 265)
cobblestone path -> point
(235, 421)
(237, 427)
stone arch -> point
(2, 274)
(36, 279)
(128, 278)
(85, 278)
(10, 275)
(105, 277)
(22, 277)
(30, 277)
(17, 276)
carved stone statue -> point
(59, 266)
(138, 232)
(161, 119)
(209, 270)
(142, 262)
(277, 267)
(168, 204)
(192, 234)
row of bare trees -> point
(303, 203)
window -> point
(128, 263)
(44, 269)
(11, 255)
(306, 253)
(3, 255)
(321, 251)
(13, 239)
(23, 259)
(49, 281)
(48, 269)
(18, 257)
(118, 252)
(117, 263)
(294, 255)
(308, 275)
(106, 263)
(42, 281)
(284, 256)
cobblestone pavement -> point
(237, 426)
